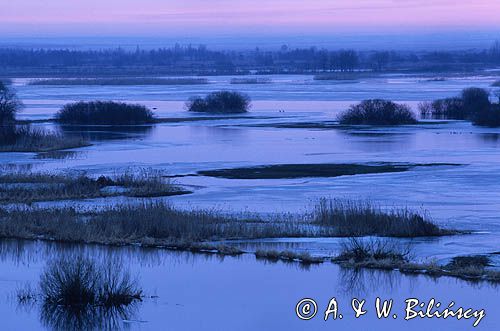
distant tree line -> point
(201, 60)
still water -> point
(207, 292)
(210, 293)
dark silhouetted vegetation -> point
(288, 256)
(80, 281)
(120, 81)
(353, 218)
(104, 113)
(199, 60)
(489, 117)
(224, 102)
(9, 104)
(359, 250)
(259, 80)
(25, 138)
(341, 76)
(389, 255)
(18, 187)
(473, 104)
(448, 108)
(475, 100)
(160, 224)
(278, 171)
(377, 112)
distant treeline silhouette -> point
(201, 60)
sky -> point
(233, 19)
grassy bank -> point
(160, 224)
(29, 139)
(18, 187)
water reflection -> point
(362, 282)
(60, 155)
(103, 133)
(56, 317)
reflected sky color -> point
(133, 17)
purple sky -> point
(403, 24)
(199, 17)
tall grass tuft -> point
(373, 250)
(354, 218)
(80, 281)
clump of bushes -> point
(377, 112)
(225, 102)
(473, 104)
(104, 113)
(452, 108)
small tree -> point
(9, 104)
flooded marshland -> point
(451, 169)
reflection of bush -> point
(102, 133)
(86, 317)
